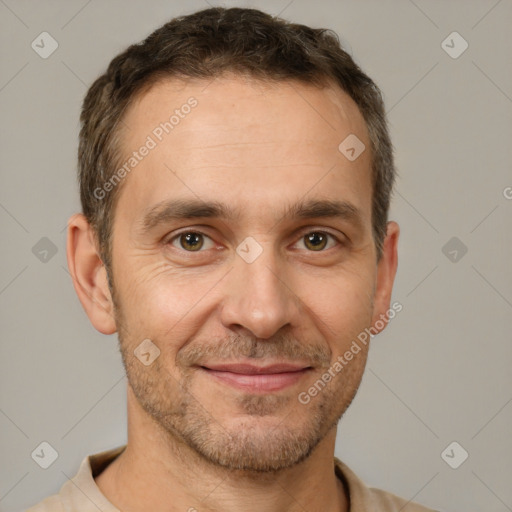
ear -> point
(386, 271)
(89, 274)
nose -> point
(258, 297)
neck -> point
(158, 472)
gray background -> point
(439, 373)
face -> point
(242, 248)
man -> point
(235, 176)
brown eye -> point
(315, 241)
(190, 241)
(318, 241)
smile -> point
(257, 379)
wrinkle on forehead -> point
(237, 137)
(327, 110)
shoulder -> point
(389, 502)
(49, 504)
(81, 493)
(364, 498)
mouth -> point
(257, 379)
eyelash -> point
(169, 241)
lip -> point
(258, 379)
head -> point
(222, 222)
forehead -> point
(243, 140)
(284, 108)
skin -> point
(195, 441)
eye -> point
(191, 241)
(317, 241)
(195, 241)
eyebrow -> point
(190, 209)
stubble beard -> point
(258, 441)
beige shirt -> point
(81, 494)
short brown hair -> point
(206, 44)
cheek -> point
(341, 304)
(159, 299)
